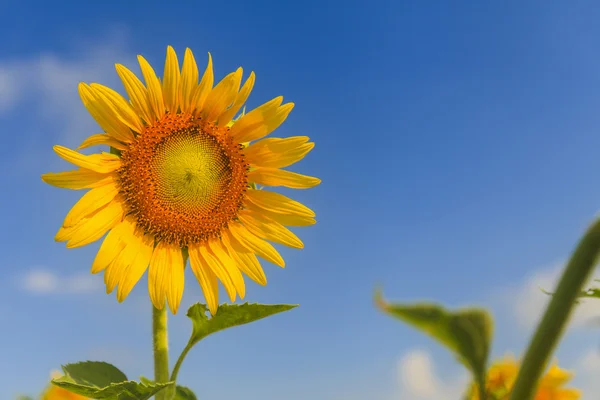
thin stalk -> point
(556, 317)
(187, 348)
(161, 351)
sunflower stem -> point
(557, 314)
(161, 351)
(184, 353)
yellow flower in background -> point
(551, 386)
(502, 375)
(56, 393)
(183, 179)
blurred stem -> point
(161, 351)
(556, 317)
(482, 391)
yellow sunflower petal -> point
(229, 265)
(137, 268)
(111, 246)
(200, 92)
(101, 139)
(219, 270)
(175, 278)
(221, 97)
(155, 95)
(278, 203)
(91, 202)
(121, 108)
(102, 163)
(226, 117)
(65, 233)
(265, 228)
(246, 262)
(165, 277)
(78, 179)
(207, 279)
(104, 114)
(277, 154)
(92, 229)
(189, 81)
(170, 85)
(280, 177)
(159, 268)
(137, 92)
(254, 119)
(116, 270)
(275, 145)
(257, 245)
(270, 123)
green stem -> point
(186, 350)
(556, 317)
(482, 391)
(161, 350)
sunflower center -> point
(183, 180)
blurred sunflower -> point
(181, 179)
(56, 393)
(502, 375)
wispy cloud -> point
(418, 379)
(48, 83)
(44, 281)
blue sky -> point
(458, 148)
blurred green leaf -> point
(183, 393)
(466, 332)
(228, 316)
(100, 380)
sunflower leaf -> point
(94, 373)
(466, 332)
(228, 316)
(183, 393)
(100, 380)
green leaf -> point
(466, 332)
(183, 393)
(94, 373)
(227, 316)
(100, 380)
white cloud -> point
(529, 302)
(587, 371)
(50, 81)
(418, 380)
(44, 281)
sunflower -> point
(182, 180)
(503, 373)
